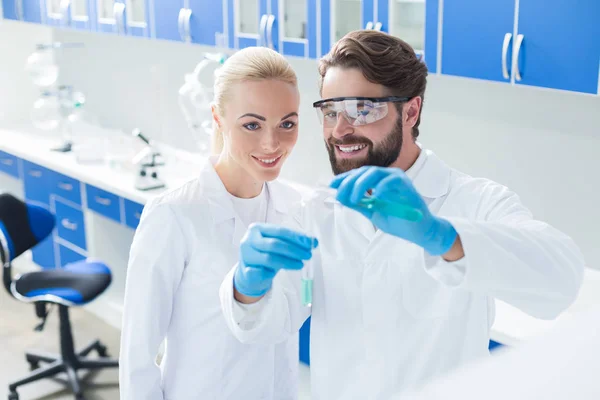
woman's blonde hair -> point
(249, 64)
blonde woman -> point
(188, 240)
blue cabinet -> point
(133, 213)
(68, 256)
(247, 22)
(304, 342)
(415, 22)
(44, 253)
(205, 27)
(76, 14)
(70, 224)
(339, 17)
(168, 19)
(37, 182)
(9, 164)
(558, 44)
(477, 38)
(124, 17)
(104, 203)
(22, 10)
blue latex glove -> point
(266, 249)
(435, 235)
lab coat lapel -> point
(221, 206)
(278, 205)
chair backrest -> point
(22, 227)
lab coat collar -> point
(430, 175)
(219, 199)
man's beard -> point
(383, 155)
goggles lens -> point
(357, 111)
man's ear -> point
(411, 111)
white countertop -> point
(510, 327)
(36, 148)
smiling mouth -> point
(268, 162)
(350, 150)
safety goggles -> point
(356, 110)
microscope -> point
(149, 159)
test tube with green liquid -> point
(390, 208)
(308, 274)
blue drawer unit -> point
(70, 224)
(103, 202)
(43, 253)
(37, 182)
(133, 213)
(9, 164)
(68, 256)
(66, 187)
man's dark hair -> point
(382, 59)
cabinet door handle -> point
(515, 60)
(137, 215)
(102, 201)
(270, 23)
(186, 25)
(72, 226)
(119, 16)
(19, 9)
(378, 26)
(262, 30)
(180, 24)
(65, 7)
(65, 186)
(35, 173)
(505, 44)
(369, 25)
(7, 161)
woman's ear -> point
(215, 116)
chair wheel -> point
(79, 397)
(13, 396)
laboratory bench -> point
(98, 208)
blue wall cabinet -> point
(68, 13)
(477, 38)
(338, 17)
(22, 10)
(297, 27)
(415, 22)
(204, 23)
(167, 19)
(247, 22)
(124, 17)
(558, 45)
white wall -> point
(542, 144)
(17, 42)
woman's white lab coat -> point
(186, 242)
(386, 316)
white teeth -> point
(269, 161)
(350, 149)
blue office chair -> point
(22, 226)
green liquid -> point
(307, 286)
(394, 209)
